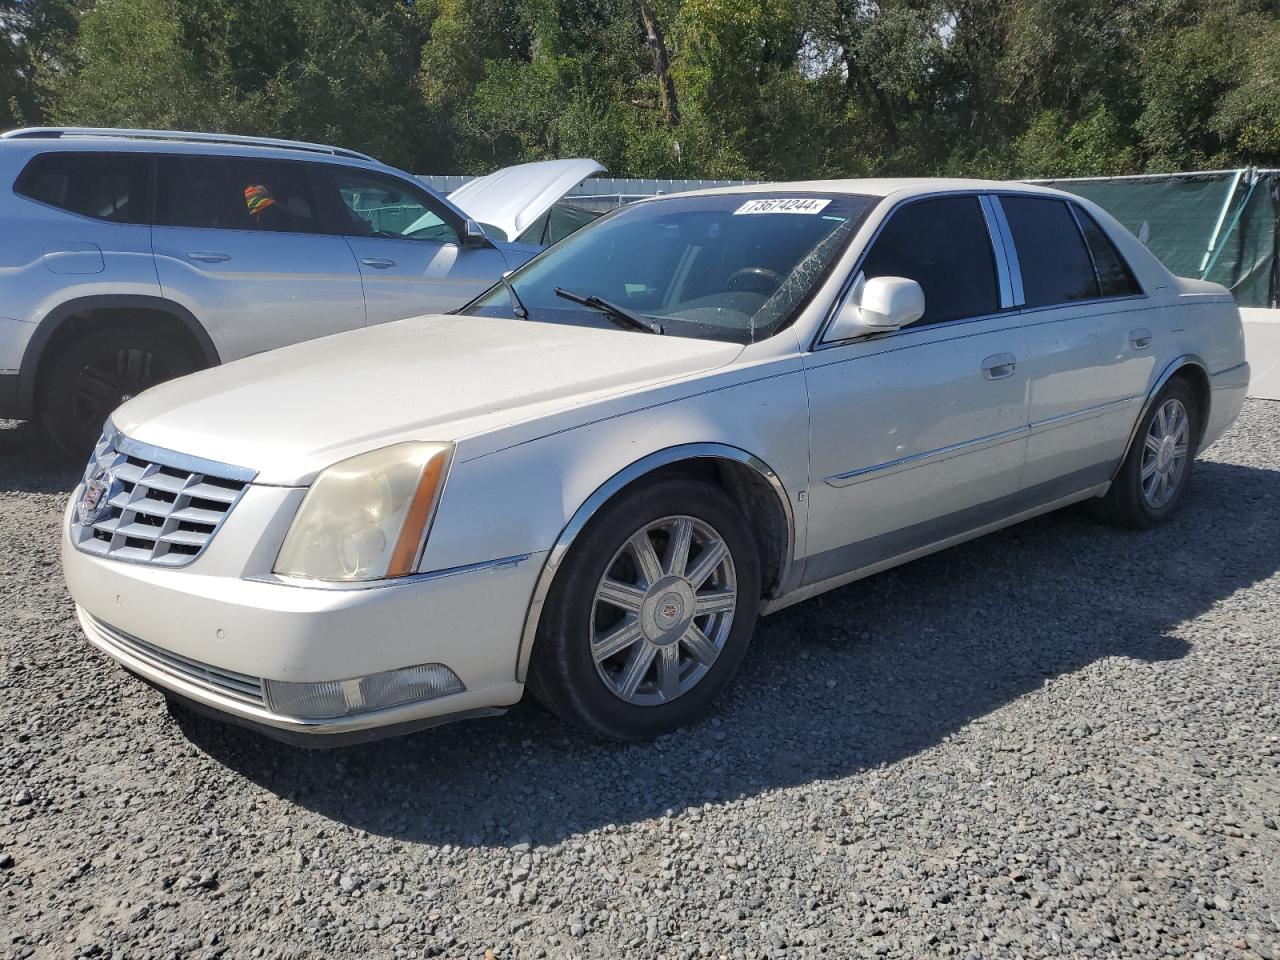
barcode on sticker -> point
(783, 205)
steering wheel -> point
(760, 280)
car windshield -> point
(733, 267)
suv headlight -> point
(367, 518)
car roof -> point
(880, 187)
(90, 139)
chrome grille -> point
(148, 505)
(241, 686)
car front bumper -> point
(216, 641)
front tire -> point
(650, 616)
(1157, 469)
(96, 373)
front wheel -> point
(650, 617)
(1157, 469)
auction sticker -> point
(783, 205)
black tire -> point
(563, 674)
(1125, 504)
(91, 376)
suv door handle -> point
(208, 256)
(378, 263)
(999, 366)
(1140, 339)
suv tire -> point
(94, 374)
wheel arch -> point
(1191, 368)
(753, 485)
(58, 321)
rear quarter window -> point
(104, 186)
(1114, 275)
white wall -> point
(1262, 347)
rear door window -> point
(105, 186)
(1114, 276)
(1056, 266)
(236, 193)
(944, 246)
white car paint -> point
(871, 447)
(513, 198)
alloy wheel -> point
(1166, 449)
(663, 610)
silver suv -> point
(129, 257)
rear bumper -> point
(1228, 389)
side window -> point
(1056, 267)
(235, 193)
(377, 206)
(105, 186)
(1114, 275)
(944, 246)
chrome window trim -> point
(1010, 249)
(1004, 272)
(625, 476)
(819, 341)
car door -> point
(240, 242)
(919, 435)
(1089, 343)
(408, 245)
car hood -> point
(291, 412)
(512, 198)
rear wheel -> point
(1157, 469)
(649, 618)
(96, 373)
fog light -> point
(326, 699)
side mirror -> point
(472, 234)
(878, 305)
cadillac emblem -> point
(95, 500)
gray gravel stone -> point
(1062, 740)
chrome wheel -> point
(1165, 452)
(663, 610)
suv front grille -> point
(148, 505)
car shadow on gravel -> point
(868, 675)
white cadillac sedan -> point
(594, 478)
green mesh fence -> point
(1220, 226)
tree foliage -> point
(676, 88)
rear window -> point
(1114, 276)
(1056, 267)
(104, 186)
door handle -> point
(378, 263)
(208, 256)
(999, 366)
(1140, 339)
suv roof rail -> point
(180, 136)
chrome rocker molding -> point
(624, 477)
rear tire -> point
(1157, 469)
(677, 615)
(91, 376)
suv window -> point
(235, 193)
(1114, 276)
(377, 206)
(105, 186)
(1056, 267)
(944, 246)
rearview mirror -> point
(878, 305)
(472, 234)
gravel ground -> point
(1061, 740)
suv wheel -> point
(93, 375)
(650, 617)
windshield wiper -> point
(619, 315)
(518, 308)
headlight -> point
(366, 518)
